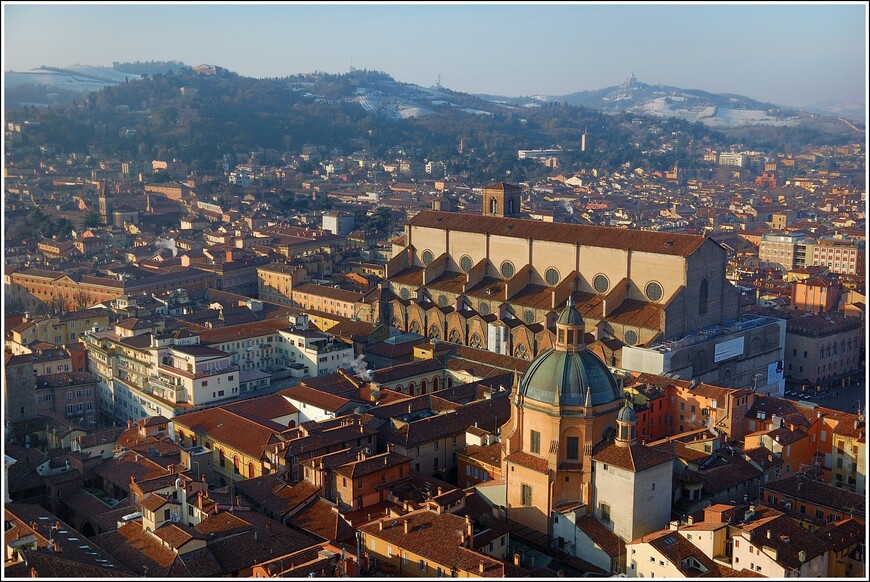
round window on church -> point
(427, 257)
(484, 308)
(442, 301)
(465, 263)
(601, 283)
(552, 277)
(507, 269)
(653, 291)
(405, 293)
(630, 337)
(529, 317)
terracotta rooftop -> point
(437, 538)
(819, 493)
(634, 458)
(595, 236)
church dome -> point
(626, 414)
(568, 373)
(563, 377)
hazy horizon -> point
(788, 54)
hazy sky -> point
(788, 54)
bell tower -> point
(501, 199)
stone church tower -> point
(501, 199)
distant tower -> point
(583, 140)
(501, 199)
(105, 202)
(461, 145)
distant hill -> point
(719, 111)
(55, 85)
(201, 113)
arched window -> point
(250, 470)
(493, 205)
(435, 383)
(702, 297)
(221, 457)
(291, 424)
(236, 464)
(423, 385)
(411, 387)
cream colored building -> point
(497, 282)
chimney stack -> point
(469, 527)
(406, 526)
(517, 560)
(380, 525)
(481, 566)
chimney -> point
(380, 525)
(481, 566)
(406, 526)
(768, 534)
(802, 556)
(389, 447)
(469, 527)
(674, 525)
(171, 468)
(440, 490)
(129, 423)
(517, 560)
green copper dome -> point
(626, 414)
(563, 377)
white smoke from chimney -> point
(163, 243)
(358, 365)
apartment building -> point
(783, 250)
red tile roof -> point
(634, 458)
(596, 236)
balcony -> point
(163, 388)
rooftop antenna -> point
(351, 64)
